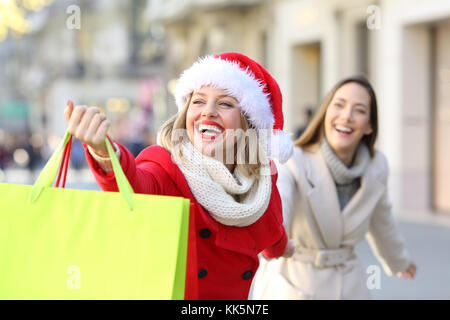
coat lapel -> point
(324, 201)
(364, 201)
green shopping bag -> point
(77, 244)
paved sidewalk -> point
(429, 246)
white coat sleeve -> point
(384, 238)
(287, 188)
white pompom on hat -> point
(257, 92)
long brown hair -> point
(315, 131)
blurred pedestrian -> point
(308, 117)
(235, 207)
(334, 193)
(4, 157)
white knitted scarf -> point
(231, 199)
(341, 173)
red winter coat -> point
(221, 260)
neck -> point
(346, 156)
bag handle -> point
(64, 165)
(48, 174)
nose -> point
(209, 110)
(347, 113)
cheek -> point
(233, 119)
(190, 119)
(329, 116)
(364, 124)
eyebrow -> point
(221, 96)
(356, 104)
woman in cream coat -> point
(334, 193)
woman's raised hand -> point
(88, 125)
(410, 273)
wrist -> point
(105, 162)
(101, 155)
(101, 152)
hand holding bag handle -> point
(48, 174)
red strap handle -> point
(64, 165)
(65, 159)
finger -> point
(411, 271)
(102, 130)
(93, 126)
(68, 111)
(75, 118)
(85, 122)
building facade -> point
(401, 46)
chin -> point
(342, 145)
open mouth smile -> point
(343, 130)
(209, 130)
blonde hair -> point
(178, 121)
(314, 133)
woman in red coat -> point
(215, 151)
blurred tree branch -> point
(13, 15)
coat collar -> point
(323, 199)
(365, 199)
(333, 224)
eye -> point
(197, 101)
(339, 105)
(226, 104)
(361, 111)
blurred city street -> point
(76, 179)
(428, 245)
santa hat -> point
(246, 80)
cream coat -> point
(313, 219)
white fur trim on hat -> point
(277, 144)
(228, 75)
(281, 146)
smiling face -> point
(211, 113)
(347, 118)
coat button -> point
(205, 233)
(247, 275)
(202, 273)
